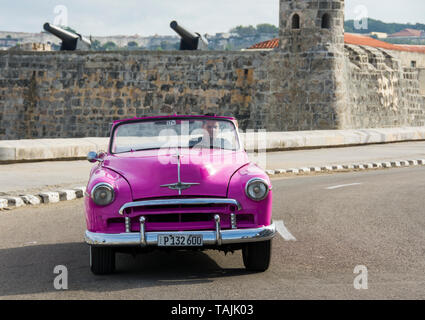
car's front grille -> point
(181, 222)
(180, 205)
(179, 217)
(171, 214)
(162, 218)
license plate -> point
(180, 240)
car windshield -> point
(208, 133)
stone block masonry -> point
(380, 91)
(49, 95)
(312, 82)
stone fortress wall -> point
(312, 82)
(76, 94)
(381, 90)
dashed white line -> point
(30, 243)
(280, 227)
(343, 186)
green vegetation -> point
(267, 28)
(95, 45)
(389, 28)
(55, 47)
(248, 31)
(167, 46)
(244, 31)
(379, 26)
(229, 47)
(132, 45)
(112, 46)
(405, 41)
(109, 46)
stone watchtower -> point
(312, 46)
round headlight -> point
(257, 189)
(103, 194)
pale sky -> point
(149, 17)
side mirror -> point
(93, 157)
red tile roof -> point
(355, 39)
(269, 44)
(350, 38)
(407, 33)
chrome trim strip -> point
(142, 231)
(165, 202)
(127, 225)
(178, 169)
(233, 220)
(217, 229)
(179, 185)
(210, 237)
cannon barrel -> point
(189, 40)
(182, 32)
(60, 33)
(70, 41)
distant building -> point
(379, 35)
(408, 34)
(6, 43)
(33, 47)
(349, 38)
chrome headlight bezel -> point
(108, 187)
(253, 181)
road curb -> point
(34, 150)
(12, 202)
(354, 166)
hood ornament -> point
(179, 185)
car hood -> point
(148, 171)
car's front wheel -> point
(256, 255)
(102, 260)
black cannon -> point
(70, 41)
(189, 40)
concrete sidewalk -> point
(72, 149)
(23, 178)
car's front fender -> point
(236, 190)
(96, 215)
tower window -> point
(295, 21)
(326, 21)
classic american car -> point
(177, 183)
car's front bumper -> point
(217, 237)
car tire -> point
(256, 255)
(102, 260)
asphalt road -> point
(375, 219)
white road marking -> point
(343, 186)
(30, 243)
(280, 227)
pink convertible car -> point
(173, 183)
